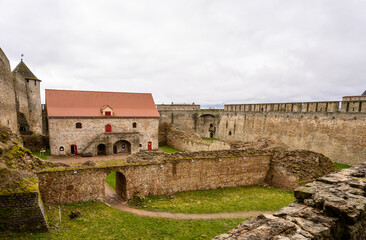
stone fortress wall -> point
(155, 173)
(22, 211)
(7, 95)
(20, 100)
(28, 99)
(336, 129)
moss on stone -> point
(17, 152)
(4, 134)
(25, 185)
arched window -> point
(134, 125)
(108, 128)
(79, 125)
(229, 133)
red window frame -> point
(108, 128)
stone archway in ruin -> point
(121, 186)
(102, 149)
(207, 125)
(122, 146)
(118, 181)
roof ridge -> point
(72, 90)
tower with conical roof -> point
(28, 99)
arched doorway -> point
(121, 188)
(122, 146)
(116, 182)
(102, 149)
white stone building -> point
(84, 122)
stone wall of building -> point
(338, 135)
(63, 132)
(7, 97)
(332, 207)
(35, 108)
(154, 178)
(22, 212)
(21, 98)
(28, 100)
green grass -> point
(98, 221)
(209, 139)
(111, 180)
(168, 149)
(341, 165)
(44, 155)
(219, 200)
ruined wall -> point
(340, 136)
(190, 143)
(332, 207)
(63, 131)
(7, 97)
(155, 178)
(22, 212)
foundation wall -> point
(155, 179)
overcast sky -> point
(203, 51)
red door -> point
(149, 146)
(108, 128)
(74, 149)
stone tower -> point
(28, 99)
(8, 116)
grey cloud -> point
(209, 52)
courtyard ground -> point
(80, 159)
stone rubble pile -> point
(332, 207)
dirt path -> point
(113, 200)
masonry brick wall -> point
(155, 178)
(340, 136)
(22, 212)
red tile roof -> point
(67, 103)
